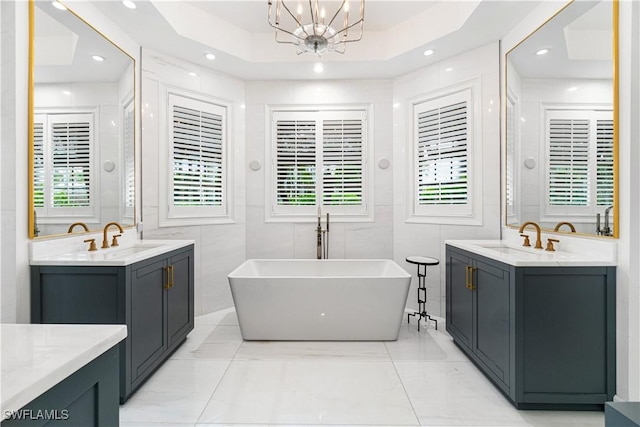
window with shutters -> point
(511, 156)
(196, 172)
(319, 159)
(445, 187)
(579, 153)
(128, 161)
(64, 179)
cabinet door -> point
(148, 333)
(180, 297)
(459, 299)
(491, 344)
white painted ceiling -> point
(580, 43)
(396, 33)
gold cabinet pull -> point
(169, 270)
(469, 277)
(173, 282)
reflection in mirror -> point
(560, 109)
(82, 165)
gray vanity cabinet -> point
(545, 336)
(154, 298)
(478, 311)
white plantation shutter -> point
(511, 156)
(342, 162)
(442, 138)
(568, 162)
(579, 157)
(604, 162)
(198, 138)
(319, 159)
(295, 162)
(71, 154)
(64, 171)
(38, 162)
(128, 152)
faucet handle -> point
(526, 240)
(550, 247)
(92, 244)
(114, 241)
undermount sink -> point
(505, 249)
(127, 253)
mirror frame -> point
(616, 123)
(30, 121)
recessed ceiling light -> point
(429, 52)
(210, 56)
(448, 69)
(318, 68)
(129, 4)
(542, 52)
(192, 74)
(571, 89)
(66, 92)
(58, 5)
(98, 58)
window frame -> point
(463, 214)
(128, 180)
(512, 156)
(172, 216)
(309, 213)
(577, 214)
(91, 213)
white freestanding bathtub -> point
(309, 300)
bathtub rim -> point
(234, 274)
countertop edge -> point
(39, 385)
(471, 246)
(167, 246)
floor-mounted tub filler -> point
(320, 300)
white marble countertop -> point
(37, 357)
(128, 252)
(519, 256)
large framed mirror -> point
(81, 125)
(561, 123)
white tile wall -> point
(534, 93)
(426, 239)
(219, 248)
(104, 98)
(298, 240)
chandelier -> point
(317, 35)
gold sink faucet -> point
(81, 224)
(105, 242)
(560, 224)
(538, 241)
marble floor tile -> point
(301, 350)
(564, 418)
(455, 394)
(158, 424)
(226, 316)
(177, 393)
(423, 345)
(217, 379)
(220, 342)
(168, 407)
(310, 392)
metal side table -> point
(422, 262)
